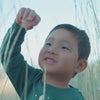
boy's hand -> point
(27, 18)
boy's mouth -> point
(49, 60)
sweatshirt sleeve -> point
(12, 60)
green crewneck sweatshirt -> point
(30, 87)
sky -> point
(52, 12)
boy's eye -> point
(49, 44)
(65, 48)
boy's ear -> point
(81, 65)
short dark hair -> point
(82, 38)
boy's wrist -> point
(15, 25)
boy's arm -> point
(13, 62)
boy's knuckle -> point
(39, 18)
(22, 9)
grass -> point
(88, 83)
(86, 17)
(7, 91)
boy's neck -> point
(57, 81)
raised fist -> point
(27, 18)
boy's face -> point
(60, 53)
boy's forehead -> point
(59, 33)
(54, 38)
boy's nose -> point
(52, 50)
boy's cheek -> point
(41, 57)
(42, 49)
(41, 53)
(41, 62)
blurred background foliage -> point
(84, 14)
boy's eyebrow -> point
(51, 38)
(66, 41)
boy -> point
(64, 54)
